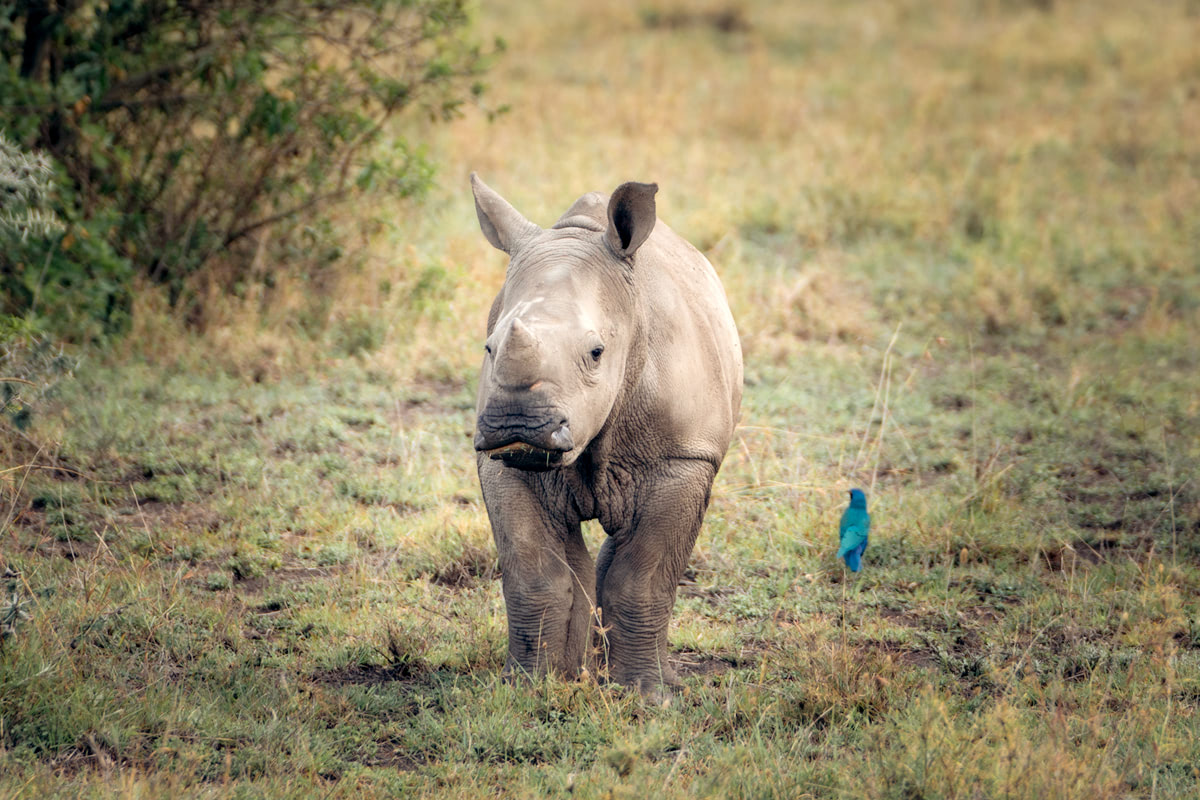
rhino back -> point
(690, 387)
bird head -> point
(858, 499)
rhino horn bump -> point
(520, 338)
(519, 363)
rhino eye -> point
(597, 351)
(487, 348)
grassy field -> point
(962, 243)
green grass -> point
(961, 247)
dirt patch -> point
(50, 521)
(905, 654)
(429, 398)
(76, 532)
(691, 586)
(473, 565)
(948, 644)
(1123, 486)
(982, 614)
(940, 624)
(88, 754)
(953, 402)
(712, 594)
(727, 19)
(1089, 551)
(389, 754)
(367, 675)
(70, 549)
(92, 754)
(690, 665)
(285, 576)
(903, 617)
(155, 515)
(918, 658)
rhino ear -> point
(502, 224)
(631, 217)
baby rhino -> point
(610, 388)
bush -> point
(74, 275)
(24, 184)
(30, 369)
(185, 131)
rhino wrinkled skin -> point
(610, 388)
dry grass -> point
(959, 240)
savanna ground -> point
(962, 243)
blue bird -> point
(853, 530)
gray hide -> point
(610, 388)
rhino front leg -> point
(638, 569)
(547, 576)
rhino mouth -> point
(526, 456)
(535, 447)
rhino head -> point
(560, 333)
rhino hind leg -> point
(638, 570)
(583, 599)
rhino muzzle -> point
(535, 446)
